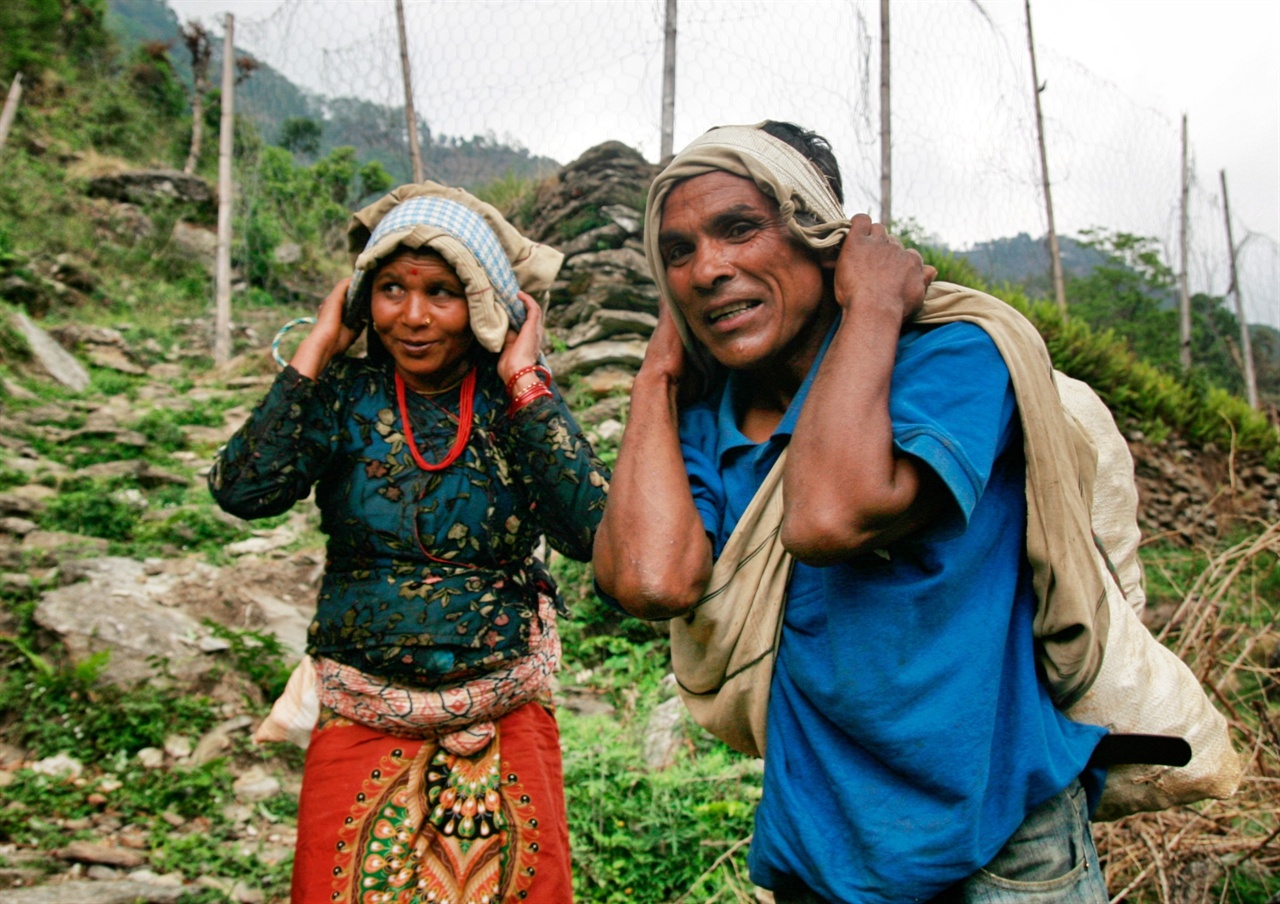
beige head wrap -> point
(490, 256)
(777, 169)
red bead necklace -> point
(466, 408)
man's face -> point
(752, 294)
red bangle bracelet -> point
(543, 374)
(537, 390)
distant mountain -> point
(1025, 261)
(269, 100)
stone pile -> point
(604, 305)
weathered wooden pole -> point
(886, 157)
(226, 196)
(1246, 343)
(1184, 293)
(10, 108)
(667, 147)
(1055, 255)
(415, 152)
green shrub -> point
(648, 837)
(96, 511)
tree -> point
(196, 37)
(301, 135)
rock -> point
(609, 381)
(51, 357)
(151, 757)
(61, 765)
(19, 527)
(19, 504)
(662, 738)
(144, 186)
(117, 606)
(15, 584)
(195, 243)
(126, 222)
(218, 739)
(254, 784)
(75, 272)
(609, 431)
(51, 546)
(166, 372)
(89, 852)
(610, 235)
(114, 359)
(606, 323)
(16, 391)
(89, 892)
(287, 253)
(586, 358)
(178, 746)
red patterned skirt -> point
(390, 820)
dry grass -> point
(1218, 851)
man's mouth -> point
(732, 310)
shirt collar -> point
(729, 437)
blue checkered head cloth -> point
(491, 257)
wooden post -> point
(667, 149)
(1055, 255)
(415, 152)
(226, 195)
(1246, 343)
(10, 108)
(1184, 294)
(886, 158)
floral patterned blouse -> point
(430, 577)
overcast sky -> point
(1141, 62)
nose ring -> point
(427, 321)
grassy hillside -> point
(680, 834)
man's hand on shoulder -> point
(874, 269)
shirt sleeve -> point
(953, 408)
(698, 447)
(275, 458)
(566, 480)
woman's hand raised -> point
(329, 337)
(520, 350)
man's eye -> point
(673, 254)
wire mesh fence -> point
(555, 77)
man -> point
(914, 752)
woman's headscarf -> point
(808, 204)
(490, 256)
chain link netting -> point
(556, 77)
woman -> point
(437, 462)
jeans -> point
(1049, 860)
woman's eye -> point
(740, 230)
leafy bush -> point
(97, 510)
(645, 836)
(52, 710)
(258, 656)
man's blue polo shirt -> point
(909, 733)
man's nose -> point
(711, 266)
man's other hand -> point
(873, 268)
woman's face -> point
(418, 306)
